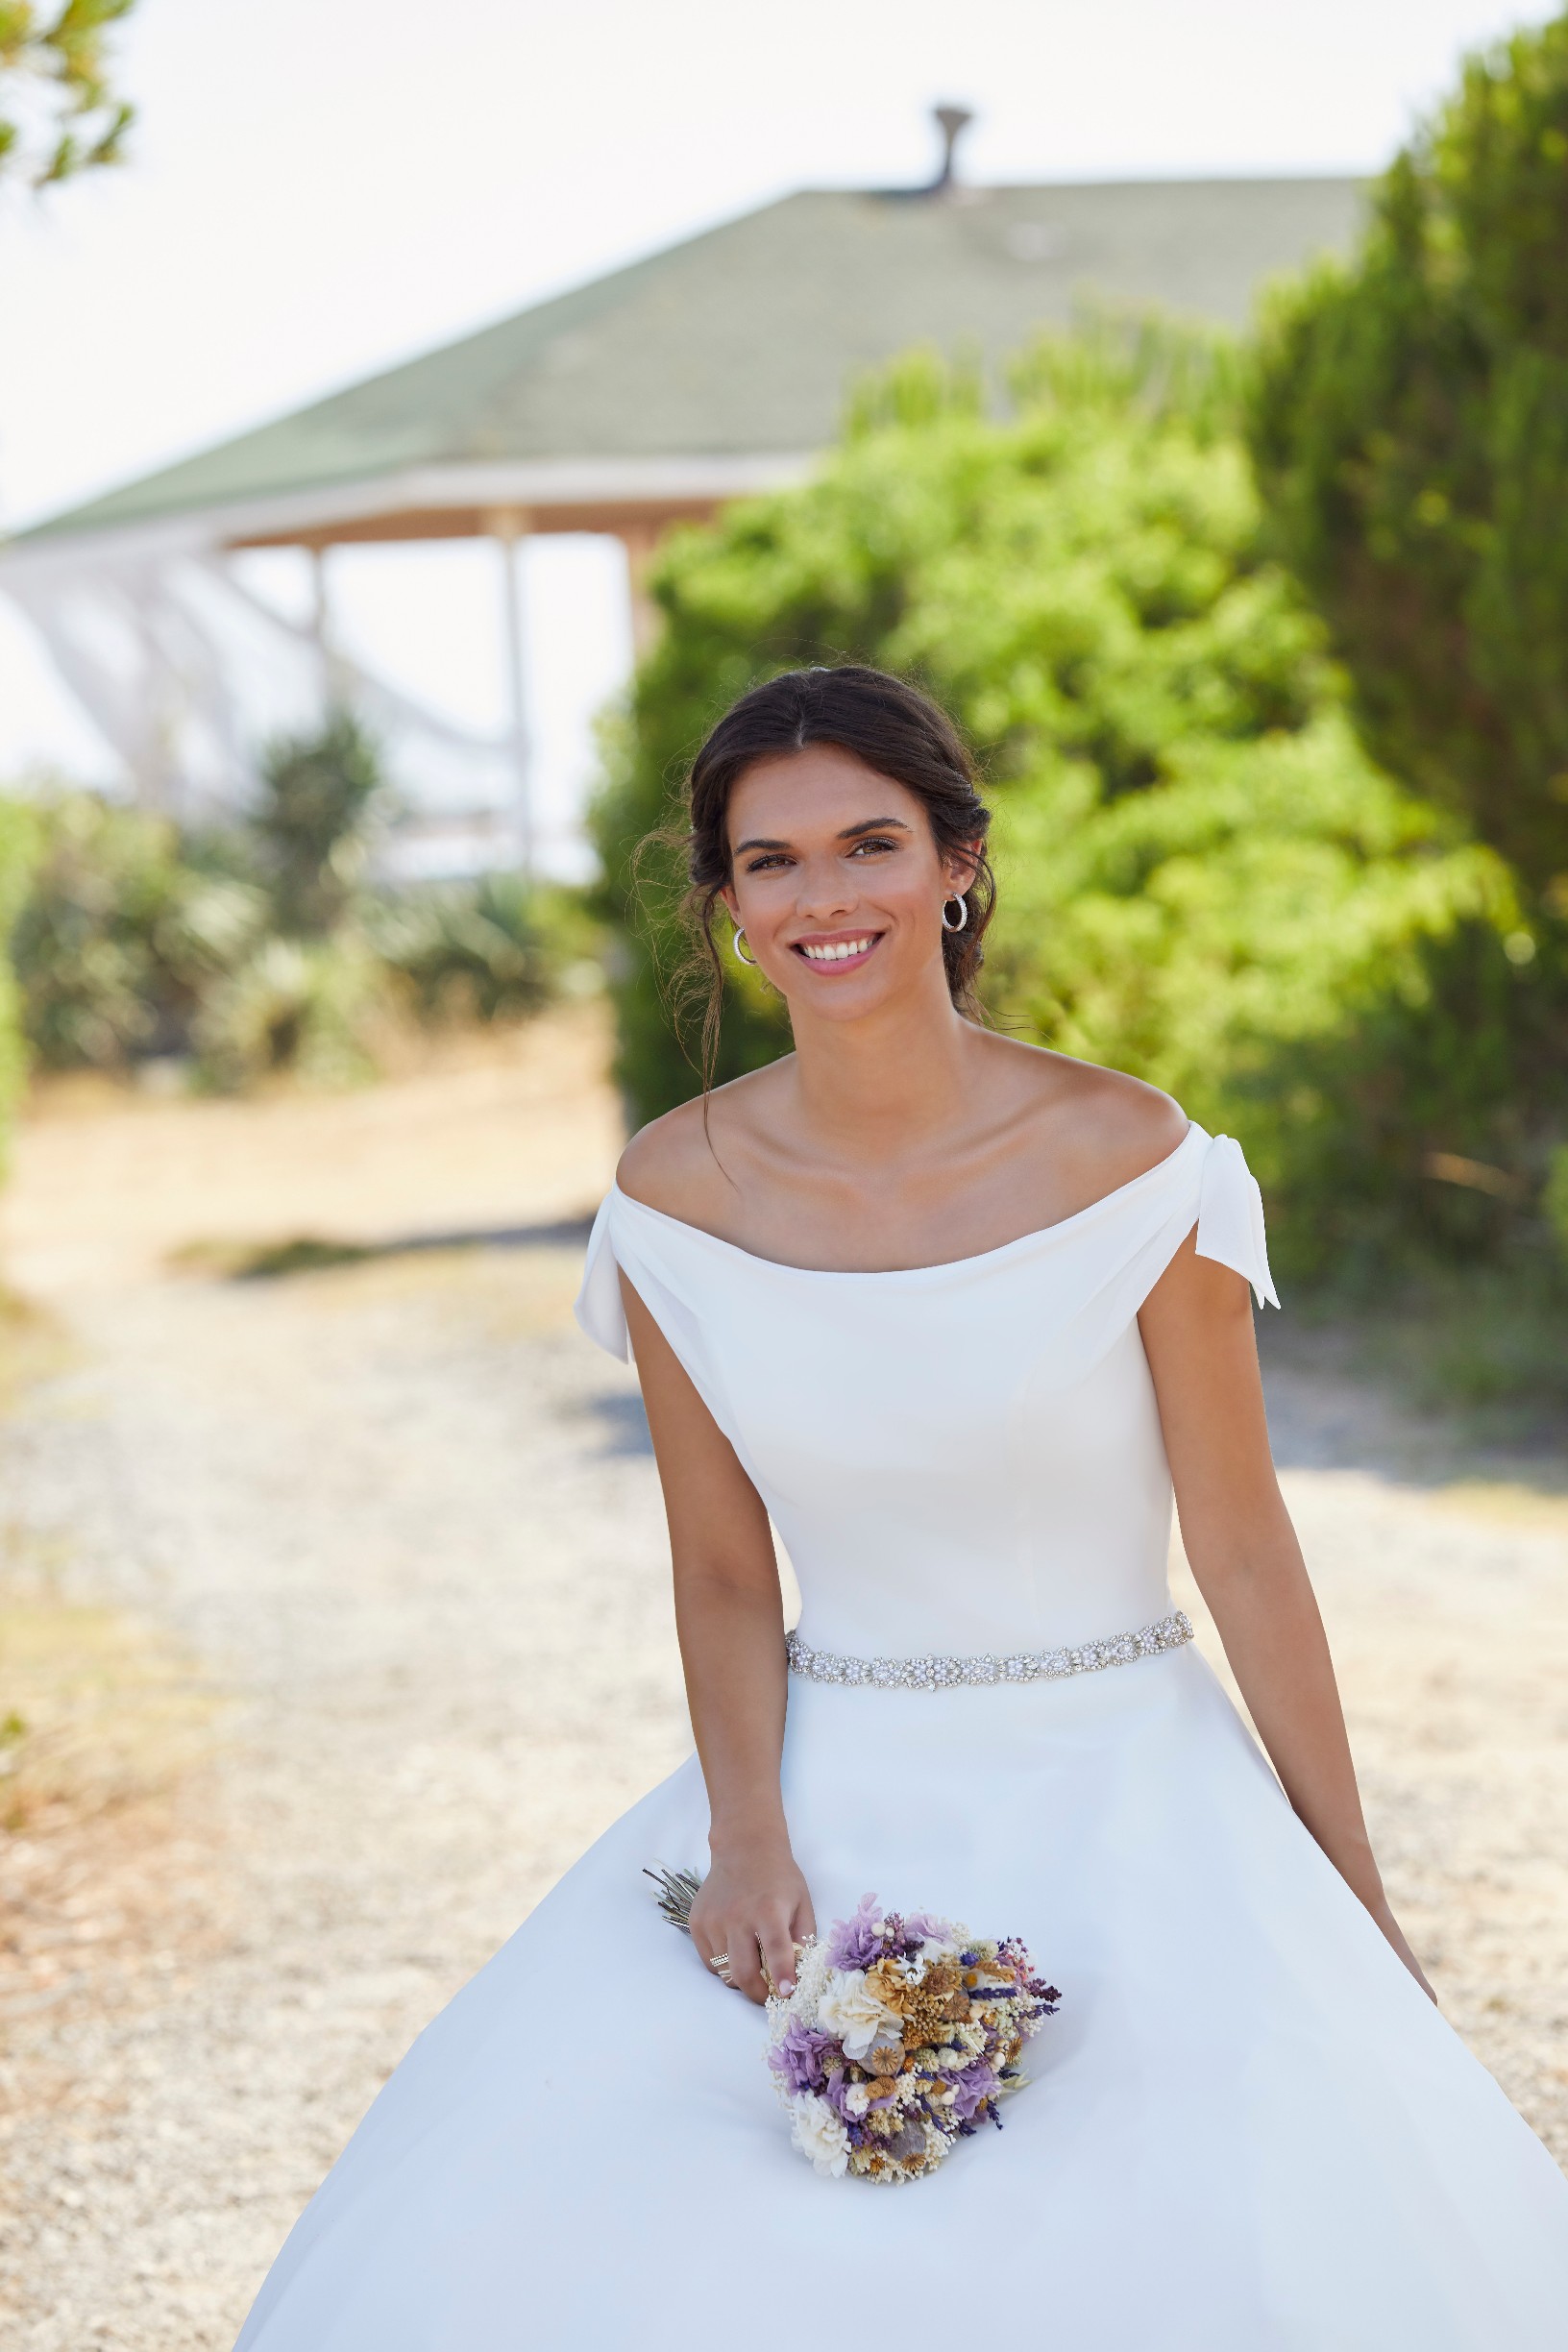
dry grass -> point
(102, 1714)
(495, 1130)
(103, 1720)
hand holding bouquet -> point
(902, 2038)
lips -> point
(839, 955)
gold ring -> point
(720, 1965)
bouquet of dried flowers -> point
(902, 2037)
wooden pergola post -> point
(508, 525)
(321, 625)
(640, 539)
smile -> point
(838, 955)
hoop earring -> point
(963, 905)
(741, 957)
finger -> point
(702, 1942)
(745, 1963)
(778, 1954)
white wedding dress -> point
(1247, 2130)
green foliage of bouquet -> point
(1202, 877)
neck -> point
(872, 1088)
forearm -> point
(753, 1908)
(1268, 1620)
(732, 1646)
(1197, 1332)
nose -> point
(823, 891)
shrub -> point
(1410, 418)
(1204, 878)
(132, 939)
(491, 949)
(318, 795)
(307, 1006)
(118, 936)
(18, 851)
(1557, 1200)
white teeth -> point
(837, 951)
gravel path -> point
(410, 1523)
(405, 1523)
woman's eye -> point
(872, 843)
(761, 865)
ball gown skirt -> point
(1246, 2131)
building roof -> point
(725, 356)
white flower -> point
(820, 2134)
(857, 2098)
(855, 2012)
(811, 1975)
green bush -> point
(259, 949)
(1557, 1200)
(491, 949)
(19, 852)
(319, 793)
(1202, 877)
(306, 1006)
(1409, 414)
(1298, 951)
(119, 936)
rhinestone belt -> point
(1022, 1666)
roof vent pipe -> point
(951, 121)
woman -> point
(954, 1313)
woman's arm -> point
(1242, 1549)
(729, 1616)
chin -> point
(847, 1000)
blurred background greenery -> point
(1264, 648)
(217, 959)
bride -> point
(954, 1315)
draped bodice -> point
(959, 1458)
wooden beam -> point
(614, 518)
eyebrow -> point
(869, 824)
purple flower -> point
(835, 2090)
(798, 2059)
(856, 1942)
(971, 2089)
(926, 1928)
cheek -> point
(912, 897)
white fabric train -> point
(1248, 2131)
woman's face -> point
(838, 881)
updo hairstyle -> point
(898, 731)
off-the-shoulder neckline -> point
(944, 1265)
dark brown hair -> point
(894, 728)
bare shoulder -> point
(1125, 1118)
(1106, 1127)
(665, 1161)
(674, 1164)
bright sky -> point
(318, 187)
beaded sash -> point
(1022, 1666)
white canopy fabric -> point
(184, 671)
